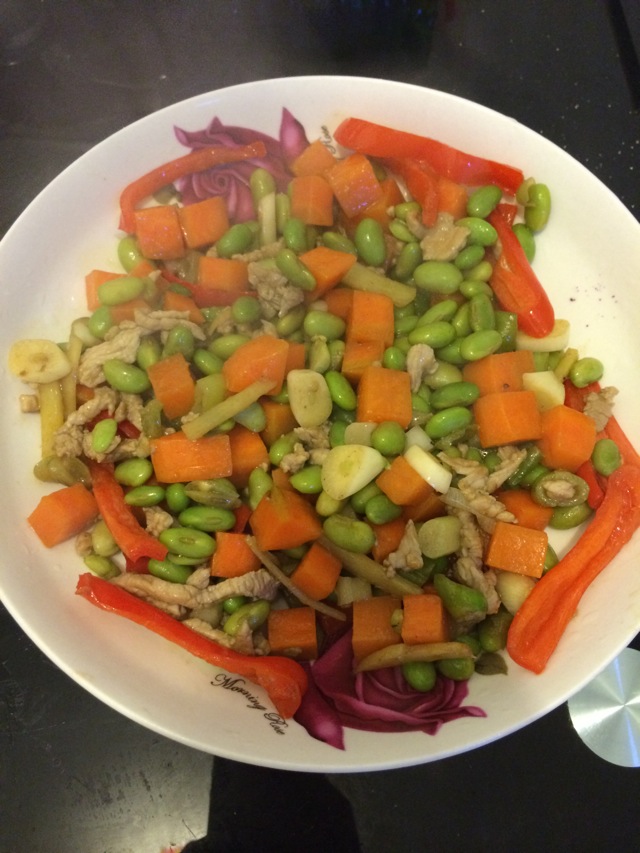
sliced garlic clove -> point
(38, 361)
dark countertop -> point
(75, 775)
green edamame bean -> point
(115, 291)
(318, 355)
(176, 498)
(370, 243)
(336, 351)
(336, 433)
(419, 675)
(461, 322)
(253, 417)
(399, 230)
(493, 630)
(394, 359)
(145, 495)
(454, 394)
(606, 456)
(218, 492)
(406, 262)
(129, 253)
(447, 421)
(388, 438)
(538, 207)
(481, 272)
(443, 311)
(457, 669)
(533, 474)
(307, 480)
(380, 510)
(281, 446)
(341, 390)
(349, 533)
(226, 345)
(483, 201)
(404, 325)
(206, 362)
(451, 354)
(406, 209)
(169, 571)
(207, 518)
(149, 352)
(507, 325)
(102, 541)
(359, 500)
(253, 614)
(294, 233)
(233, 603)
(101, 566)
(339, 242)
(550, 559)
(477, 345)
(294, 270)
(291, 321)
(526, 240)
(261, 184)
(435, 335)
(481, 313)
(259, 484)
(188, 542)
(100, 322)
(326, 505)
(437, 277)
(530, 461)
(567, 517)
(133, 472)
(323, 323)
(481, 232)
(180, 340)
(235, 241)
(586, 370)
(444, 374)
(128, 378)
(246, 309)
(469, 257)
(472, 287)
(283, 210)
(103, 434)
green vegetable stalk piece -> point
(461, 602)
(493, 630)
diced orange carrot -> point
(507, 417)
(371, 318)
(127, 310)
(263, 357)
(358, 355)
(143, 268)
(177, 459)
(233, 557)
(514, 548)
(317, 572)
(284, 519)
(424, 620)
(63, 514)
(567, 438)
(296, 357)
(292, 632)
(159, 233)
(173, 385)
(501, 371)
(354, 183)
(384, 395)
(248, 451)
(311, 200)
(328, 266)
(339, 300)
(315, 159)
(379, 209)
(388, 538)
(223, 273)
(402, 484)
(280, 420)
(173, 301)
(528, 512)
(430, 507)
(204, 222)
(452, 197)
(372, 628)
(92, 282)
(282, 479)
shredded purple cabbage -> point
(378, 701)
(232, 181)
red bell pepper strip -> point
(538, 625)
(515, 284)
(596, 491)
(284, 680)
(420, 182)
(132, 539)
(376, 140)
(197, 161)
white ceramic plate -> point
(588, 259)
